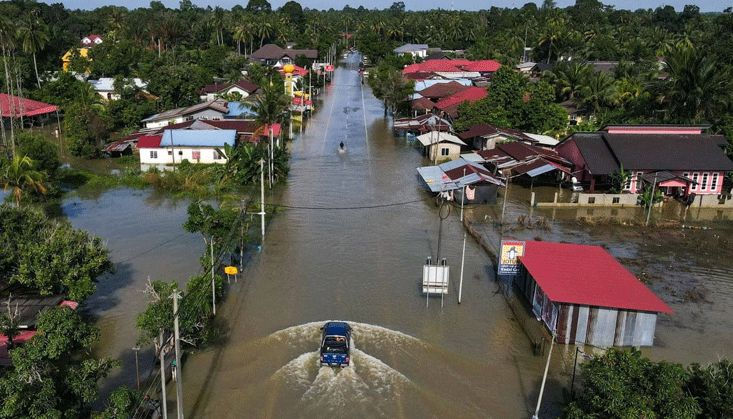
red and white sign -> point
(329, 67)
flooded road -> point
(350, 243)
(353, 231)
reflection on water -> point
(145, 237)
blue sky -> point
(705, 5)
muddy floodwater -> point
(349, 243)
(144, 234)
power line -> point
(357, 207)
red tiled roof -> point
(422, 104)
(471, 94)
(452, 66)
(441, 90)
(587, 275)
(483, 66)
(149, 141)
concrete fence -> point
(713, 201)
(593, 200)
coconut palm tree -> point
(265, 29)
(271, 107)
(698, 88)
(33, 35)
(18, 174)
(596, 90)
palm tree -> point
(33, 35)
(271, 106)
(568, 78)
(698, 88)
(264, 30)
(7, 44)
(241, 34)
(552, 34)
(596, 90)
(18, 174)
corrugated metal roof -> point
(435, 137)
(198, 138)
(587, 275)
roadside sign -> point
(511, 250)
(329, 67)
(231, 270)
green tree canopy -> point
(624, 384)
(54, 375)
(49, 256)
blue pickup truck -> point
(336, 344)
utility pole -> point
(164, 396)
(269, 164)
(177, 340)
(651, 201)
(463, 253)
(544, 379)
(137, 365)
(241, 226)
(213, 280)
(262, 197)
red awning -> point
(15, 107)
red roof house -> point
(449, 105)
(584, 295)
(15, 107)
(452, 66)
(149, 141)
(441, 90)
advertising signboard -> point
(511, 250)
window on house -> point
(153, 154)
(444, 151)
(704, 185)
(627, 185)
(592, 200)
(170, 152)
(714, 182)
(638, 180)
(695, 178)
(616, 200)
(218, 155)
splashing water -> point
(366, 385)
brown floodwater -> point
(349, 244)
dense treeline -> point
(675, 67)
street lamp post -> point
(463, 253)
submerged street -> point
(349, 244)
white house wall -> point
(454, 151)
(164, 156)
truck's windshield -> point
(335, 344)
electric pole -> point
(213, 280)
(463, 253)
(164, 396)
(262, 197)
(177, 340)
